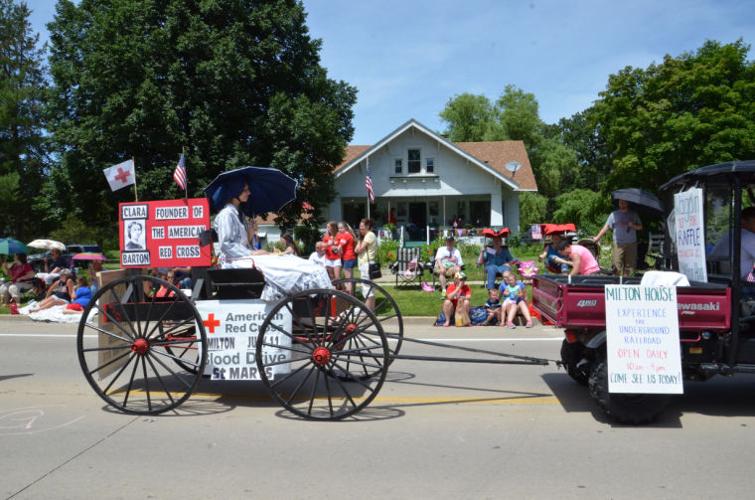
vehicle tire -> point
(634, 409)
(571, 354)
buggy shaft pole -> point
(533, 361)
(467, 349)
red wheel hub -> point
(140, 346)
(351, 328)
(321, 356)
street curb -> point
(14, 317)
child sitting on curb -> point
(493, 307)
(515, 300)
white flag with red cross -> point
(121, 175)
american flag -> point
(179, 174)
(368, 185)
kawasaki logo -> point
(587, 303)
(708, 306)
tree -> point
(22, 90)
(688, 111)
(469, 118)
(233, 82)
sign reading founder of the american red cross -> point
(164, 233)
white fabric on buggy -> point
(664, 278)
(284, 274)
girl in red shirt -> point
(332, 257)
(458, 295)
(346, 243)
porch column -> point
(496, 205)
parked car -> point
(75, 248)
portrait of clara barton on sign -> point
(133, 232)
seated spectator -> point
(448, 262)
(318, 256)
(290, 246)
(582, 260)
(60, 292)
(493, 307)
(496, 259)
(94, 267)
(515, 300)
(552, 259)
(55, 263)
(21, 275)
(182, 277)
(458, 296)
(81, 298)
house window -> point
(398, 164)
(429, 165)
(414, 164)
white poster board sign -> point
(232, 327)
(690, 234)
(642, 329)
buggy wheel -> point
(322, 354)
(386, 310)
(149, 353)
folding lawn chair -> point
(407, 268)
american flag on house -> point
(368, 185)
(179, 174)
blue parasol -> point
(270, 189)
(9, 246)
(640, 198)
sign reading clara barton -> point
(232, 327)
(642, 326)
(164, 233)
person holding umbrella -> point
(249, 191)
(624, 223)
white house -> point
(421, 179)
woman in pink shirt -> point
(582, 260)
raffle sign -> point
(232, 327)
(643, 340)
(690, 236)
(164, 233)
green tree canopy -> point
(688, 111)
(22, 89)
(233, 82)
(469, 117)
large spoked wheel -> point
(322, 354)
(148, 353)
(385, 308)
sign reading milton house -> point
(164, 233)
(642, 326)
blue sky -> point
(408, 57)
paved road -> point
(437, 430)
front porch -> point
(419, 215)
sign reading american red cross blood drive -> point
(163, 233)
(232, 327)
(643, 349)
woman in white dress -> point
(284, 274)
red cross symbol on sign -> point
(211, 322)
(122, 175)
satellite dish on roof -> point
(513, 166)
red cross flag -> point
(121, 175)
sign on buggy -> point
(232, 327)
(642, 327)
(163, 233)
